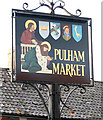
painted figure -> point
(37, 59)
(28, 35)
(66, 32)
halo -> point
(65, 27)
(30, 21)
(47, 43)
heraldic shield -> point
(55, 30)
(44, 29)
(77, 32)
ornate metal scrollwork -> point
(52, 6)
(38, 88)
(70, 91)
(45, 88)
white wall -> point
(90, 8)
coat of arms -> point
(77, 32)
(55, 30)
(44, 29)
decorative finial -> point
(52, 6)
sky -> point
(89, 8)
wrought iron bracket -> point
(52, 6)
(70, 91)
(39, 87)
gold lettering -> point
(60, 54)
(83, 69)
(73, 70)
(55, 54)
(81, 56)
(72, 58)
(68, 69)
(76, 56)
(55, 68)
(69, 55)
(66, 58)
(62, 69)
(78, 70)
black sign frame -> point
(47, 78)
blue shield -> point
(77, 32)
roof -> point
(16, 99)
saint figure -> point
(28, 35)
(37, 59)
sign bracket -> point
(52, 6)
(54, 97)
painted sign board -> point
(51, 48)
